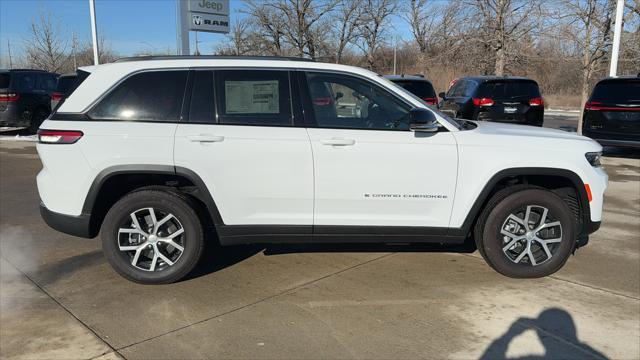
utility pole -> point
(10, 61)
(94, 31)
(395, 50)
(617, 33)
(197, 53)
(182, 28)
(73, 46)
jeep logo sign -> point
(208, 15)
(217, 7)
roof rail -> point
(211, 57)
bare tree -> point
(374, 20)
(269, 26)
(589, 27)
(46, 45)
(503, 22)
(347, 25)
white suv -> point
(154, 153)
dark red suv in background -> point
(493, 98)
(612, 114)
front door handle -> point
(205, 138)
(338, 142)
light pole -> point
(94, 31)
(617, 33)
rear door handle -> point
(338, 142)
(205, 138)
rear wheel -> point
(526, 234)
(152, 237)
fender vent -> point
(572, 202)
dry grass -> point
(564, 102)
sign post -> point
(94, 31)
(182, 28)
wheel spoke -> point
(134, 261)
(172, 243)
(543, 218)
(521, 256)
(509, 234)
(131, 231)
(551, 224)
(154, 220)
(155, 258)
(174, 234)
(526, 217)
(165, 259)
(531, 258)
(164, 220)
(516, 219)
(549, 241)
(136, 224)
(546, 249)
(510, 244)
(128, 247)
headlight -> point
(593, 158)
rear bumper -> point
(10, 117)
(73, 225)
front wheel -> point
(527, 234)
(152, 237)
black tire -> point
(36, 120)
(192, 240)
(508, 201)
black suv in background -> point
(612, 114)
(63, 89)
(25, 97)
(417, 85)
(493, 98)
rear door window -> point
(25, 82)
(46, 82)
(508, 89)
(147, 96)
(617, 92)
(253, 97)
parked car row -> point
(611, 116)
(28, 96)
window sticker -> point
(252, 97)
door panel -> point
(369, 168)
(256, 165)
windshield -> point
(451, 121)
(617, 92)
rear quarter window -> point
(617, 92)
(147, 96)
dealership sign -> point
(208, 15)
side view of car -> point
(25, 97)
(417, 85)
(612, 113)
(493, 98)
(152, 154)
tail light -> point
(59, 136)
(483, 102)
(11, 97)
(536, 102)
(430, 101)
(597, 106)
(322, 101)
(57, 96)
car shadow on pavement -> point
(557, 333)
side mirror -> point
(442, 95)
(423, 120)
(339, 95)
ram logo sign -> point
(209, 15)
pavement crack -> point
(281, 293)
(65, 309)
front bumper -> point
(73, 225)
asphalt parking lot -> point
(60, 298)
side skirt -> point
(280, 234)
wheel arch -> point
(114, 182)
(555, 179)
